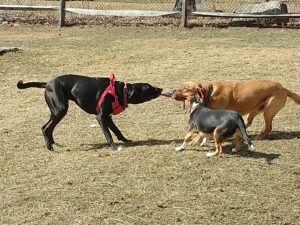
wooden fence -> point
(184, 13)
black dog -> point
(100, 96)
(221, 124)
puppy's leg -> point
(116, 130)
(237, 136)
(204, 142)
(58, 106)
(218, 144)
(272, 107)
(218, 150)
(102, 120)
(187, 139)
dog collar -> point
(125, 96)
(207, 99)
(116, 106)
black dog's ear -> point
(130, 90)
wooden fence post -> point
(184, 14)
(62, 13)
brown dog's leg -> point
(250, 118)
(199, 138)
(272, 107)
(196, 139)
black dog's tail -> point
(22, 85)
(242, 128)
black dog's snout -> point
(159, 90)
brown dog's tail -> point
(293, 96)
(22, 85)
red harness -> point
(116, 106)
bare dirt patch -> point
(84, 182)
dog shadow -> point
(283, 135)
(148, 142)
(269, 157)
(244, 152)
(280, 135)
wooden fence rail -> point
(136, 13)
(28, 8)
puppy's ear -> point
(188, 104)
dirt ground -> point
(85, 182)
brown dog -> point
(250, 97)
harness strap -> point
(125, 95)
(116, 106)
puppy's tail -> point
(22, 85)
(242, 128)
(293, 96)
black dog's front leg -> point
(116, 130)
(102, 120)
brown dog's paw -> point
(194, 141)
(260, 137)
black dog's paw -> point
(126, 140)
(50, 147)
(59, 145)
(115, 147)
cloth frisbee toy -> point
(167, 94)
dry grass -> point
(84, 182)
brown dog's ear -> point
(204, 91)
(201, 92)
(187, 105)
